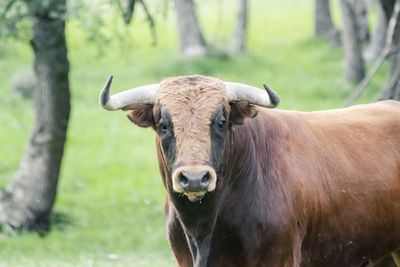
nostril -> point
(206, 178)
(183, 180)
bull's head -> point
(191, 115)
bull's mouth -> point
(195, 196)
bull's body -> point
(305, 189)
(280, 189)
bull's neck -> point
(240, 159)
(197, 217)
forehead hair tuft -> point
(194, 91)
(191, 102)
(184, 83)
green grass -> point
(110, 197)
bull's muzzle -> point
(194, 181)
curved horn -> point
(142, 94)
(243, 92)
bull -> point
(251, 186)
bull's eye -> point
(221, 124)
(163, 127)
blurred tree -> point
(360, 7)
(378, 37)
(128, 11)
(191, 40)
(392, 13)
(240, 34)
(324, 26)
(28, 199)
(353, 61)
(391, 48)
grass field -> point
(109, 209)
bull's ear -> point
(141, 114)
(241, 110)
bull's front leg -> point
(177, 241)
(200, 250)
(390, 260)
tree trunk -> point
(378, 37)
(388, 8)
(323, 22)
(392, 88)
(27, 201)
(128, 10)
(360, 7)
(191, 39)
(239, 37)
(354, 63)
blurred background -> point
(81, 185)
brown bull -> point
(250, 186)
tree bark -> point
(27, 201)
(360, 7)
(392, 88)
(324, 26)
(128, 10)
(191, 40)
(388, 8)
(239, 37)
(353, 60)
(378, 37)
